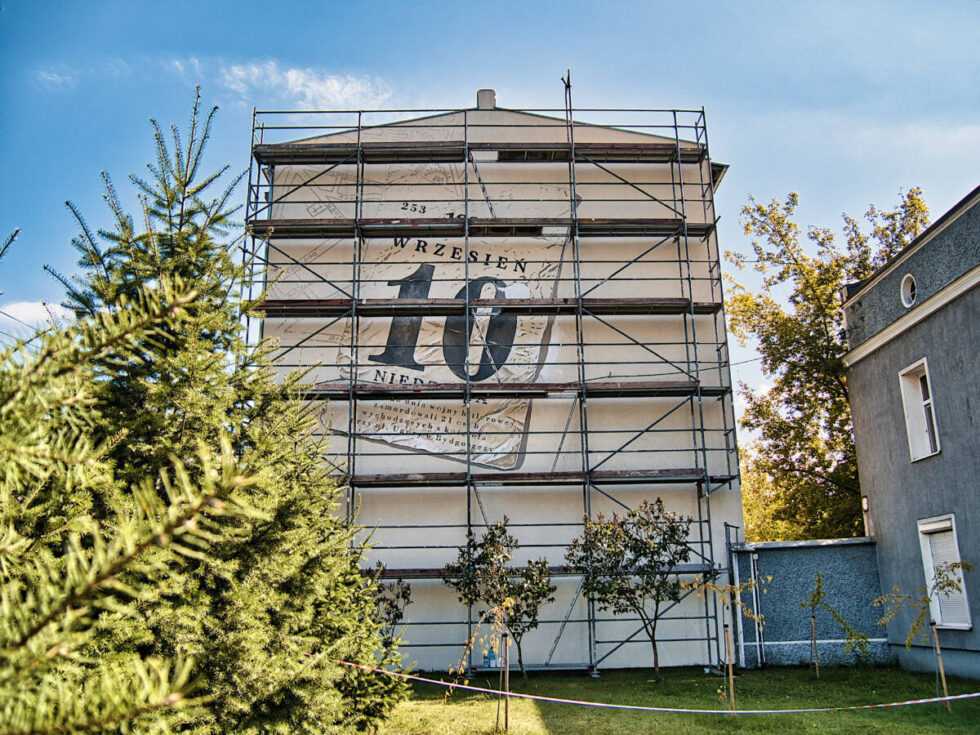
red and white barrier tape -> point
(606, 705)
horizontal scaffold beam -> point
(316, 308)
(499, 479)
(456, 479)
(432, 391)
(556, 571)
(290, 229)
(455, 151)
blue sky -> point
(844, 102)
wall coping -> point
(808, 544)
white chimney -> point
(486, 99)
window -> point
(920, 415)
(937, 541)
(908, 290)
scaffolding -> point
(508, 312)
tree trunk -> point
(520, 658)
(650, 626)
(656, 659)
(653, 642)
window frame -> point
(926, 527)
(917, 424)
(909, 290)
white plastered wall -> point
(420, 528)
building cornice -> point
(959, 209)
(937, 301)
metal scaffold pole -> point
(355, 291)
(467, 330)
(552, 347)
(580, 341)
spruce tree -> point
(62, 571)
(276, 597)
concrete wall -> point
(900, 491)
(850, 580)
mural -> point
(417, 349)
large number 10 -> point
(403, 336)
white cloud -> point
(189, 67)
(57, 77)
(262, 83)
(60, 76)
(307, 88)
(20, 318)
(114, 68)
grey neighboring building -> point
(914, 383)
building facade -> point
(510, 313)
(913, 330)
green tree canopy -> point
(803, 467)
(75, 546)
(482, 573)
(275, 598)
(628, 563)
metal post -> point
(248, 241)
(731, 670)
(760, 644)
(737, 635)
(355, 326)
(813, 637)
(939, 662)
(721, 331)
(467, 330)
(580, 339)
(506, 641)
(698, 433)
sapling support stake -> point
(506, 641)
(731, 670)
(500, 688)
(939, 660)
(813, 637)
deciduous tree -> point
(805, 453)
(629, 562)
(390, 600)
(947, 580)
(482, 574)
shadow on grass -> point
(782, 688)
(429, 711)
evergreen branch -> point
(87, 244)
(120, 699)
(94, 346)
(159, 537)
(7, 243)
(76, 301)
(37, 454)
(101, 723)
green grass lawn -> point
(428, 711)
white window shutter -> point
(953, 609)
